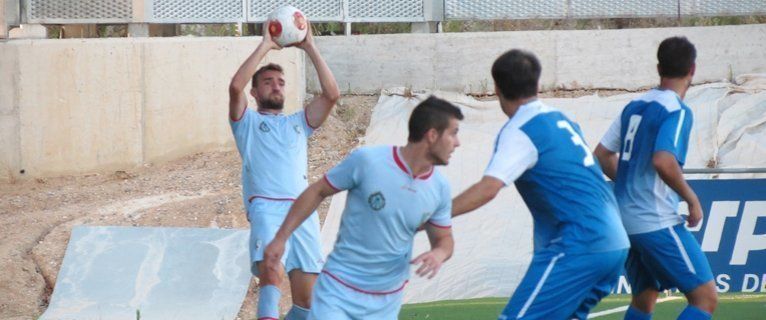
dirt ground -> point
(201, 190)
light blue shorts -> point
(564, 286)
(665, 259)
(332, 300)
(303, 249)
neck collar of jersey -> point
(402, 165)
(271, 114)
(666, 90)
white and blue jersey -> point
(573, 208)
(384, 208)
(580, 244)
(656, 121)
(274, 154)
(664, 254)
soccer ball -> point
(287, 26)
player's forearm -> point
(246, 71)
(670, 172)
(443, 246)
(471, 199)
(301, 209)
(327, 81)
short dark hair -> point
(516, 74)
(268, 67)
(431, 113)
(676, 57)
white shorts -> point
(303, 249)
(332, 300)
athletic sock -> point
(693, 313)
(297, 313)
(635, 314)
(268, 303)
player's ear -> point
(432, 135)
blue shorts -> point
(332, 300)
(303, 249)
(665, 259)
(564, 286)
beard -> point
(274, 102)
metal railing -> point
(244, 11)
(724, 170)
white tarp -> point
(151, 273)
(493, 244)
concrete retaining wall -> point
(75, 106)
(619, 59)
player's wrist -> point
(440, 254)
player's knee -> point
(645, 301)
(271, 278)
(704, 297)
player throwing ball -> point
(391, 192)
(273, 147)
(579, 242)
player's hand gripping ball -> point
(287, 26)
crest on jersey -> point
(377, 201)
(264, 127)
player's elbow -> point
(663, 161)
(486, 195)
(332, 95)
(235, 88)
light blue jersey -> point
(274, 154)
(656, 121)
(573, 208)
(384, 208)
(274, 164)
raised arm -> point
(237, 97)
(671, 173)
(319, 108)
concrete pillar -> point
(348, 28)
(9, 16)
(28, 31)
(3, 23)
(138, 30)
(424, 27)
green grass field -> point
(730, 306)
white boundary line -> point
(623, 308)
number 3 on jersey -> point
(630, 136)
(578, 141)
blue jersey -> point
(384, 208)
(656, 121)
(274, 154)
(573, 208)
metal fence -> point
(230, 11)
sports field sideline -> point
(731, 306)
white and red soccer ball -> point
(287, 26)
